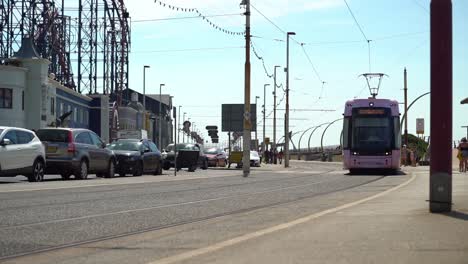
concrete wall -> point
(14, 78)
(36, 92)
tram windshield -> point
(372, 133)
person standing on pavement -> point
(280, 156)
(463, 148)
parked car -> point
(254, 159)
(216, 157)
(78, 152)
(136, 156)
(21, 153)
(199, 159)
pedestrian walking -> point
(463, 148)
(267, 156)
(280, 156)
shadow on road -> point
(458, 215)
(373, 172)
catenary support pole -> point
(440, 191)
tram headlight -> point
(371, 104)
(354, 153)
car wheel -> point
(158, 170)
(38, 172)
(192, 168)
(82, 171)
(138, 171)
(110, 173)
(166, 166)
(205, 165)
(65, 176)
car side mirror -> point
(5, 142)
(103, 145)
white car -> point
(21, 153)
(254, 159)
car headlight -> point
(164, 155)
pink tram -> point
(371, 135)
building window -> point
(62, 109)
(6, 98)
(52, 106)
(75, 115)
(22, 100)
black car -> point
(76, 151)
(190, 156)
(136, 157)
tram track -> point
(198, 219)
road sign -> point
(420, 126)
(267, 140)
(233, 117)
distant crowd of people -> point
(272, 156)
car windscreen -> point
(254, 154)
(129, 146)
(180, 147)
(53, 135)
(211, 151)
(1, 130)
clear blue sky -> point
(202, 80)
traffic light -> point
(213, 133)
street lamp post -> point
(256, 138)
(160, 114)
(264, 147)
(178, 125)
(144, 86)
(286, 121)
(274, 112)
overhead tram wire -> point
(362, 32)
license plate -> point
(51, 149)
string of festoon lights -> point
(260, 58)
(194, 10)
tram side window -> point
(346, 122)
(396, 132)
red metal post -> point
(440, 193)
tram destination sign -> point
(371, 111)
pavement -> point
(395, 227)
(311, 213)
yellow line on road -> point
(259, 233)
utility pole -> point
(440, 180)
(178, 126)
(256, 137)
(183, 132)
(264, 147)
(160, 114)
(144, 86)
(405, 89)
(286, 115)
(247, 117)
(274, 113)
